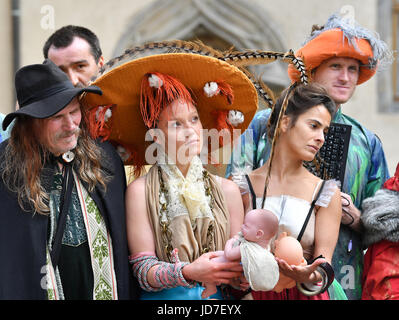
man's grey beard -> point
(76, 132)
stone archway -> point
(221, 24)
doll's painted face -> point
(259, 224)
(250, 227)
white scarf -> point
(186, 194)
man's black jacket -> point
(23, 235)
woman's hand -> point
(203, 269)
(302, 273)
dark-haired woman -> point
(307, 207)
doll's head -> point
(259, 225)
(289, 249)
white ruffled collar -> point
(186, 195)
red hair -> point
(155, 99)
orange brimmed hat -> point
(342, 38)
(135, 92)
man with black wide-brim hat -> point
(62, 193)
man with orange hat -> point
(340, 55)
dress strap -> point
(315, 189)
(310, 211)
(251, 190)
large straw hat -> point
(121, 88)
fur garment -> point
(380, 217)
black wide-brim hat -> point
(43, 90)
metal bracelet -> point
(312, 289)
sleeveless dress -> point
(292, 213)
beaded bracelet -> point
(166, 275)
(170, 275)
(141, 266)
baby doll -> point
(290, 250)
(251, 247)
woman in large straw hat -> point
(178, 213)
